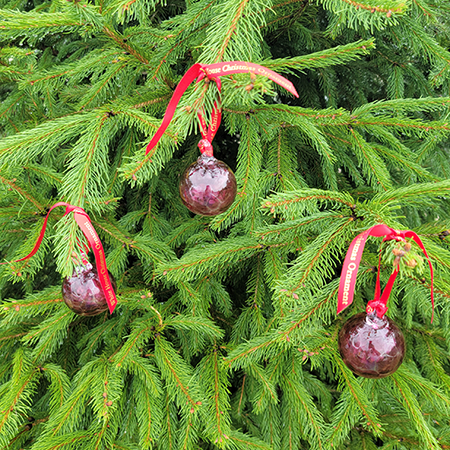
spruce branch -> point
(271, 428)
(59, 385)
(363, 14)
(310, 266)
(169, 424)
(306, 411)
(358, 394)
(427, 389)
(276, 340)
(431, 362)
(401, 381)
(22, 192)
(17, 23)
(405, 163)
(142, 330)
(47, 174)
(149, 164)
(403, 105)
(146, 246)
(249, 162)
(67, 418)
(107, 388)
(325, 58)
(306, 201)
(21, 148)
(69, 440)
(292, 230)
(422, 42)
(16, 401)
(87, 175)
(373, 166)
(233, 33)
(49, 335)
(122, 41)
(395, 6)
(149, 413)
(265, 393)
(414, 192)
(195, 325)
(245, 442)
(214, 380)
(179, 376)
(200, 262)
(119, 71)
(174, 47)
(15, 312)
(91, 341)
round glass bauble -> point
(83, 293)
(370, 346)
(208, 186)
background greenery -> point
(225, 332)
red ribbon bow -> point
(353, 259)
(213, 72)
(84, 222)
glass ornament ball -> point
(83, 293)
(371, 347)
(208, 186)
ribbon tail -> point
(216, 118)
(184, 83)
(350, 270)
(41, 234)
(203, 126)
(419, 242)
(388, 288)
(351, 264)
(88, 230)
(230, 67)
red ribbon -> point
(213, 72)
(208, 133)
(353, 259)
(84, 222)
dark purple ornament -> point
(208, 186)
(371, 347)
(83, 293)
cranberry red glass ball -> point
(371, 347)
(208, 186)
(83, 293)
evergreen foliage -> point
(224, 336)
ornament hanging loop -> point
(84, 222)
(213, 72)
(376, 306)
(353, 259)
(205, 147)
(396, 235)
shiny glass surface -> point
(208, 186)
(83, 293)
(371, 347)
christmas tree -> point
(225, 334)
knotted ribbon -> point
(213, 72)
(353, 259)
(84, 222)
